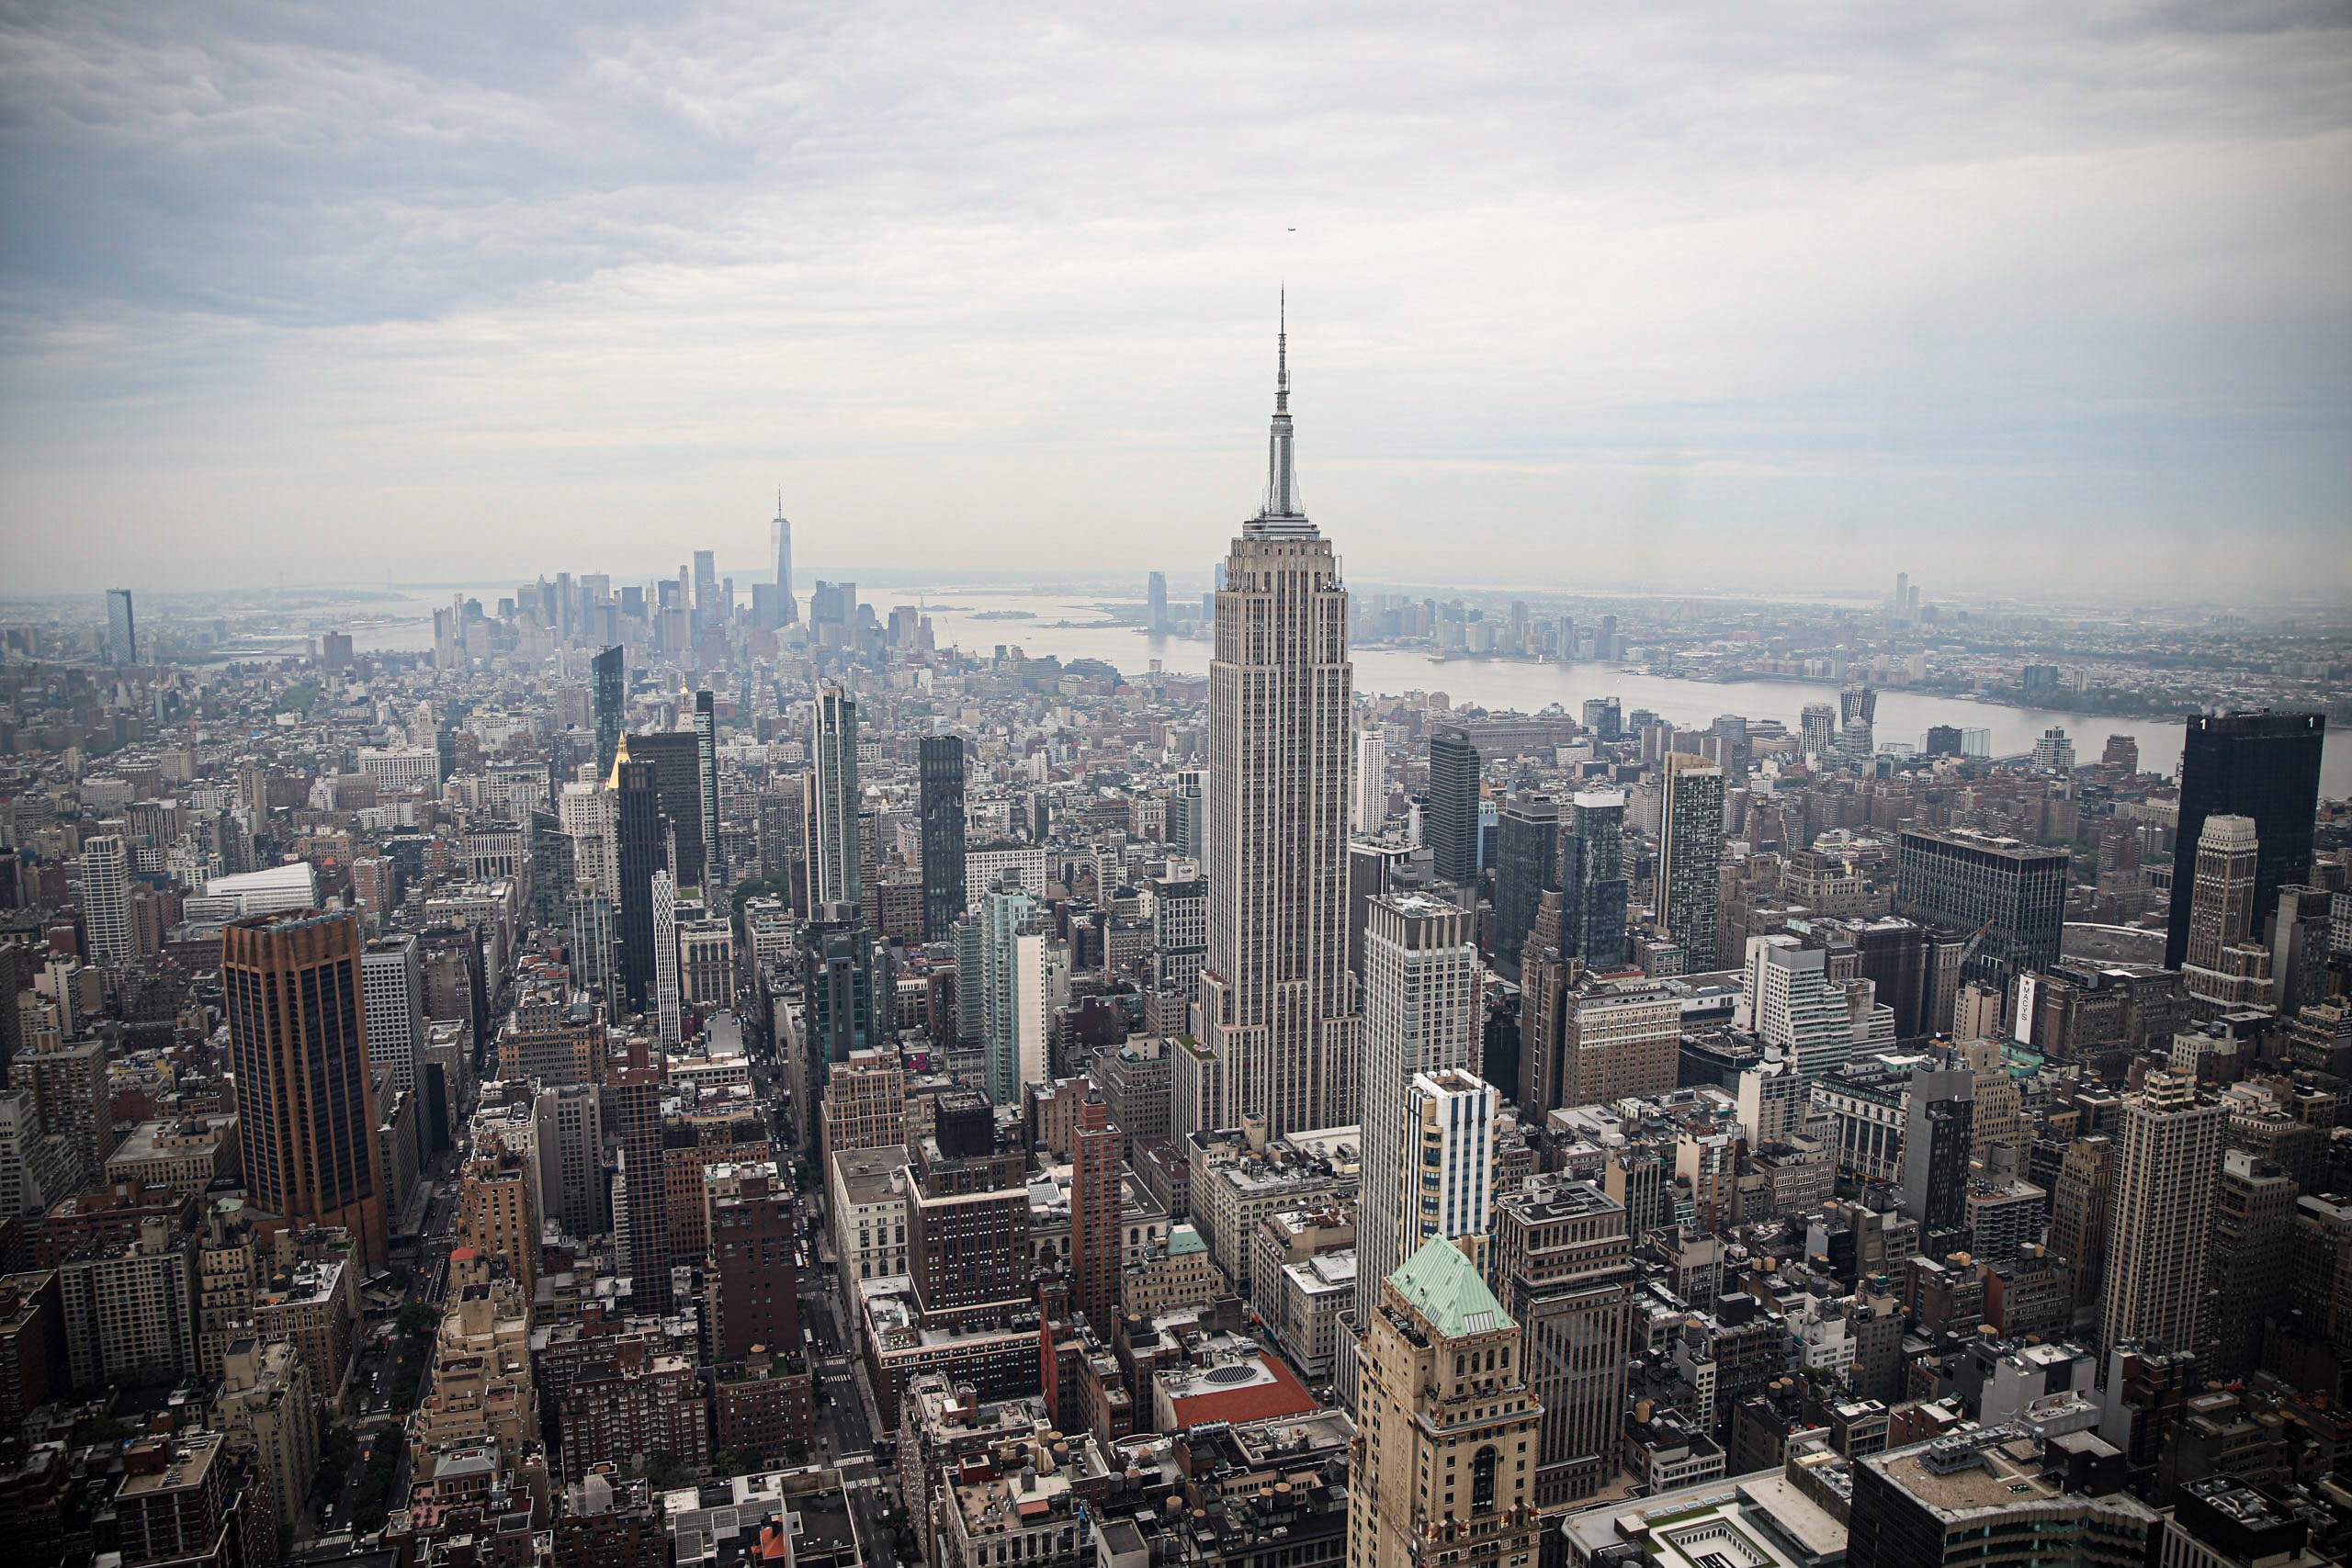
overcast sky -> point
(1785, 294)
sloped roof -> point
(1445, 1288)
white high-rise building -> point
(106, 900)
(1016, 991)
(1787, 1000)
(834, 798)
(1421, 1019)
(391, 991)
(666, 996)
(2167, 1166)
(1276, 998)
(1371, 782)
(1451, 1115)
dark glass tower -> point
(707, 789)
(2264, 765)
(611, 696)
(1451, 821)
(943, 835)
(1592, 879)
(1527, 861)
(639, 830)
(676, 756)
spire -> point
(1280, 514)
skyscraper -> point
(1452, 821)
(123, 627)
(2221, 909)
(1450, 1120)
(2167, 1162)
(1094, 1250)
(297, 1047)
(940, 765)
(780, 531)
(1527, 864)
(1857, 710)
(1444, 1411)
(1592, 879)
(1689, 855)
(391, 979)
(632, 1100)
(2263, 765)
(638, 827)
(667, 999)
(1013, 981)
(833, 800)
(1275, 992)
(706, 779)
(106, 900)
(611, 692)
(2008, 897)
(1155, 603)
(705, 590)
(1372, 781)
(1820, 729)
(1787, 1001)
(676, 757)
(1562, 1263)
(1420, 1016)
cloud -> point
(515, 290)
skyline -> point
(1663, 299)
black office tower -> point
(707, 791)
(1527, 864)
(610, 693)
(676, 756)
(2264, 765)
(1450, 822)
(1592, 879)
(942, 768)
(640, 847)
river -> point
(406, 626)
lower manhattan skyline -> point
(706, 859)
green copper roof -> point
(1184, 1240)
(1445, 1288)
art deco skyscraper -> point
(2168, 1160)
(298, 1043)
(1422, 1012)
(2221, 909)
(1275, 992)
(1690, 856)
(1438, 1472)
(833, 800)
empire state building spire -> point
(1280, 517)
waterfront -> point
(980, 618)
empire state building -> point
(1277, 1004)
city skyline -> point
(1999, 326)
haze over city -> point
(1645, 296)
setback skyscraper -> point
(1276, 991)
(2262, 766)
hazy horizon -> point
(1630, 299)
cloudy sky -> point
(1639, 294)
